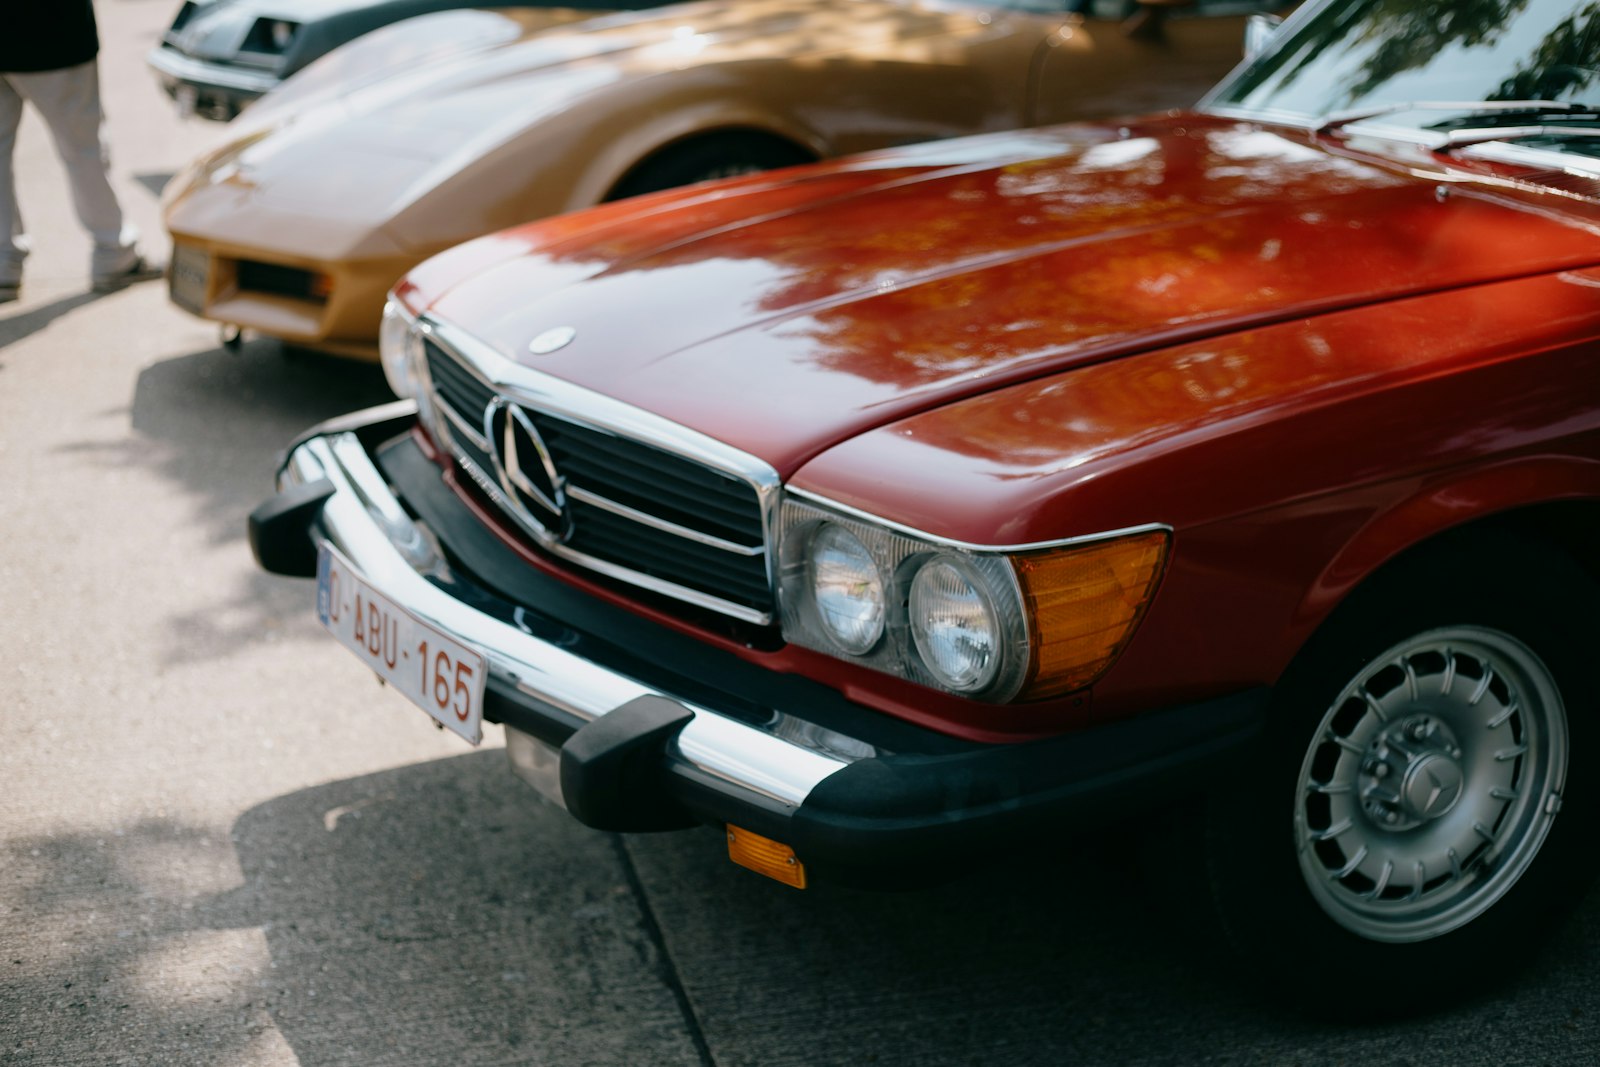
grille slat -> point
(627, 472)
(637, 475)
(664, 501)
(602, 534)
(457, 386)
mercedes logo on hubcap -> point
(1432, 787)
(525, 470)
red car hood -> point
(784, 314)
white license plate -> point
(437, 673)
(190, 278)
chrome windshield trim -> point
(818, 500)
(1495, 149)
(782, 759)
(1540, 158)
(1286, 32)
(1466, 138)
(733, 548)
(1295, 119)
(187, 69)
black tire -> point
(1379, 941)
(716, 155)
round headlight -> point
(954, 626)
(394, 349)
(846, 588)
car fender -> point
(1444, 505)
(572, 156)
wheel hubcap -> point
(1412, 773)
(1430, 784)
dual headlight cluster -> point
(991, 624)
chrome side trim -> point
(966, 546)
(186, 69)
(733, 548)
(782, 760)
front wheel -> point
(1414, 823)
(1431, 783)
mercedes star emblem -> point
(525, 470)
(551, 340)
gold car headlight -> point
(995, 624)
(399, 348)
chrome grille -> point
(637, 512)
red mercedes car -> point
(949, 500)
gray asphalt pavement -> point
(221, 843)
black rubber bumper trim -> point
(903, 810)
(611, 769)
(280, 529)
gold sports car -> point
(449, 126)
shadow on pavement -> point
(441, 914)
(215, 423)
(17, 327)
(437, 914)
(219, 420)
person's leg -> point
(69, 102)
(13, 246)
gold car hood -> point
(357, 150)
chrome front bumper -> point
(779, 762)
(244, 84)
(885, 804)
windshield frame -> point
(1431, 140)
(1289, 28)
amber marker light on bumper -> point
(765, 856)
(1084, 603)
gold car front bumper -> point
(330, 306)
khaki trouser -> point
(69, 102)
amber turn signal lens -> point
(766, 856)
(321, 286)
(1084, 603)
